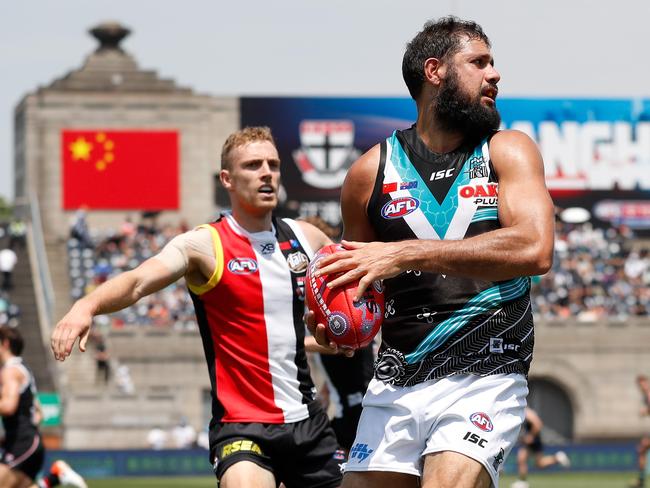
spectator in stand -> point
(79, 229)
(102, 359)
(17, 233)
(183, 435)
(8, 260)
(157, 438)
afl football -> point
(348, 323)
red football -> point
(349, 324)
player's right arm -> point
(355, 195)
(11, 379)
(183, 255)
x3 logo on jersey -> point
(267, 247)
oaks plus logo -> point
(484, 195)
(399, 207)
(242, 265)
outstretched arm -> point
(523, 246)
(186, 255)
(113, 295)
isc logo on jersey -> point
(399, 207)
(484, 195)
(242, 265)
(482, 421)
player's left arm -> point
(523, 246)
(11, 379)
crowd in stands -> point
(597, 273)
(12, 236)
(95, 257)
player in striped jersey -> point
(245, 273)
(23, 453)
(454, 215)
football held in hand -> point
(348, 323)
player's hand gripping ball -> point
(348, 323)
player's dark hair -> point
(12, 335)
(438, 39)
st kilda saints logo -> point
(297, 261)
(326, 152)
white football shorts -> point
(478, 416)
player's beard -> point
(457, 111)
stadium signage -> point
(593, 155)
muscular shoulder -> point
(12, 374)
(361, 176)
(364, 170)
(512, 145)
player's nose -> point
(492, 76)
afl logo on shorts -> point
(482, 421)
(399, 207)
(242, 265)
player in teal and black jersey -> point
(454, 216)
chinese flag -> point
(105, 169)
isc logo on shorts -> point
(240, 446)
(242, 265)
(482, 421)
(399, 207)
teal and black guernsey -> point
(439, 325)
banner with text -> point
(596, 152)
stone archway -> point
(553, 404)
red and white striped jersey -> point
(250, 315)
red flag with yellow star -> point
(112, 169)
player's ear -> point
(224, 176)
(433, 68)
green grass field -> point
(550, 480)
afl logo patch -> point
(399, 207)
(297, 261)
(338, 324)
(482, 421)
(242, 265)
